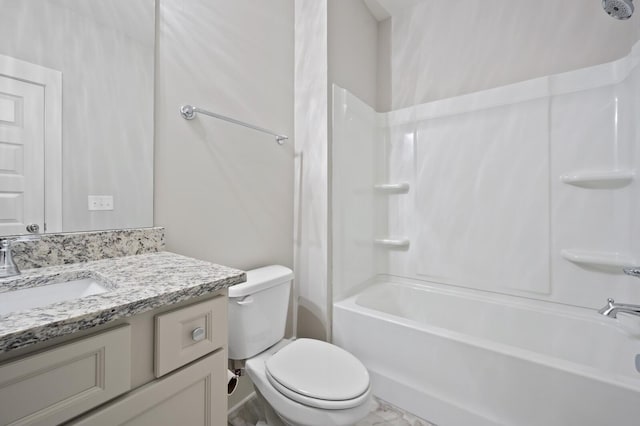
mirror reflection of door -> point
(23, 139)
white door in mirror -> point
(21, 155)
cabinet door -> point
(59, 383)
(192, 396)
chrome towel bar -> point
(189, 112)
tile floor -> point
(384, 414)
(387, 414)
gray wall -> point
(445, 49)
(105, 53)
(383, 75)
(352, 48)
(225, 193)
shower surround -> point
(526, 191)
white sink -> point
(34, 297)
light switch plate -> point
(100, 202)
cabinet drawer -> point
(193, 396)
(57, 384)
(189, 333)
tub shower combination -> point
(459, 357)
(472, 293)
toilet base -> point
(271, 417)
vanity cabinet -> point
(194, 395)
(163, 367)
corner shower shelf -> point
(597, 258)
(599, 179)
(392, 188)
(392, 243)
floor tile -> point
(384, 414)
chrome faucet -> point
(612, 309)
(8, 267)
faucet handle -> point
(632, 271)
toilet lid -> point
(316, 370)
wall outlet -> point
(100, 202)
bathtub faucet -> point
(612, 309)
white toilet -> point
(304, 382)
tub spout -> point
(612, 309)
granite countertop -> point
(137, 284)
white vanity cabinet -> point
(163, 367)
(194, 395)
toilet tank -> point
(258, 311)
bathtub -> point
(460, 357)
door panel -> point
(21, 155)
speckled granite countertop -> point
(137, 284)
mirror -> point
(76, 115)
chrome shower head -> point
(619, 9)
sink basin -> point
(35, 297)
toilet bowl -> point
(304, 382)
(298, 406)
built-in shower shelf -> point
(392, 188)
(598, 258)
(392, 242)
(599, 179)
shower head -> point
(619, 9)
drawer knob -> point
(198, 334)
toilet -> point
(302, 382)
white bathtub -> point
(458, 357)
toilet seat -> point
(297, 413)
(318, 374)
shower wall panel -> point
(482, 197)
(528, 189)
(355, 138)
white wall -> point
(445, 49)
(105, 51)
